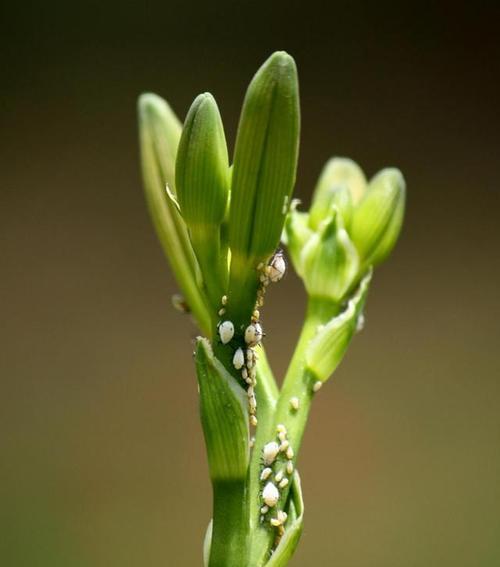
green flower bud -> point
(378, 218)
(265, 163)
(224, 417)
(265, 158)
(329, 261)
(326, 350)
(295, 236)
(202, 179)
(341, 183)
(160, 131)
(202, 168)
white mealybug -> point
(238, 359)
(266, 473)
(244, 373)
(289, 467)
(282, 436)
(252, 403)
(270, 495)
(221, 312)
(283, 483)
(282, 516)
(277, 267)
(253, 420)
(317, 386)
(284, 445)
(253, 334)
(280, 428)
(279, 476)
(289, 453)
(224, 300)
(264, 510)
(269, 452)
(275, 522)
(294, 403)
(226, 331)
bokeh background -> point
(101, 456)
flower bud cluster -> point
(352, 224)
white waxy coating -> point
(270, 495)
(270, 451)
(317, 385)
(277, 267)
(253, 334)
(283, 483)
(238, 359)
(226, 331)
(294, 403)
(266, 473)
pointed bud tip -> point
(150, 103)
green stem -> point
(298, 383)
(230, 524)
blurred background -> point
(102, 462)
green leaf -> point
(326, 350)
(378, 218)
(160, 132)
(207, 543)
(224, 417)
(288, 543)
(341, 182)
(202, 177)
(329, 261)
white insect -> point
(238, 359)
(269, 452)
(253, 334)
(279, 476)
(317, 386)
(224, 300)
(226, 331)
(253, 420)
(282, 516)
(283, 483)
(266, 473)
(294, 403)
(264, 510)
(270, 495)
(277, 267)
(280, 428)
(289, 467)
(289, 453)
(284, 445)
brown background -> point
(101, 456)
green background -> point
(101, 456)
